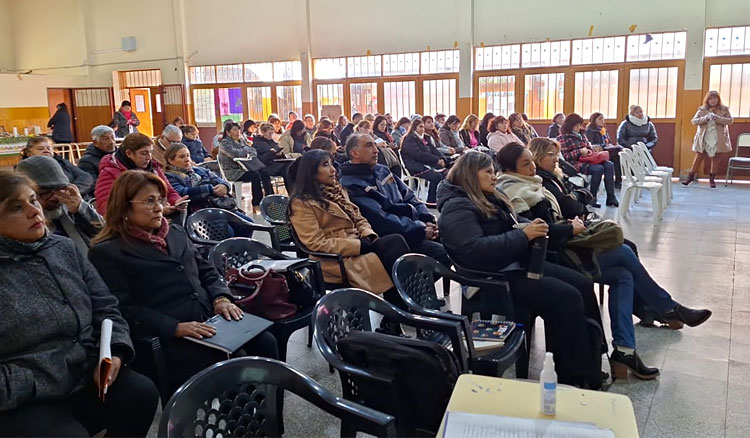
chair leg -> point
(446, 287)
(655, 205)
(729, 172)
(309, 335)
(601, 294)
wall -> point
(7, 61)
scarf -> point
(335, 194)
(158, 239)
(526, 191)
(127, 114)
(637, 121)
(385, 136)
(420, 136)
(17, 250)
(182, 173)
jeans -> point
(627, 278)
(596, 171)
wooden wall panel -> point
(24, 117)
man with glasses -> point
(64, 209)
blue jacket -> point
(197, 152)
(198, 183)
(385, 201)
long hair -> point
(33, 141)
(402, 121)
(433, 132)
(513, 117)
(376, 123)
(464, 174)
(708, 96)
(297, 125)
(468, 121)
(486, 120)
(414, 125)
(10, 184)
(125, 188)
(306, 186)
(570, 121)
(340, 121)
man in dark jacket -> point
(386, 202)
(349, 129)
(102, 143)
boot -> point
(612, 201)
(690, 178)
(621, 363)
(712, 180)
(681, 315)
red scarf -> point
(157, 239)
(126, 114)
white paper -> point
(465, 425)
(105, 348)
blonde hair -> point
(540, 147)
(633, 108)
(468, 121)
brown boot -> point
(690, 178)
(712, 180)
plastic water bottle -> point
(548, 385)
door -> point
(91, 107)
(56, 96)
(140, 100)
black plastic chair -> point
(240, 397)
(238, 251)
(207, 226)
(345, 310)
(273, 209)
(151, 362)
(415, 275)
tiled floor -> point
(701, 254)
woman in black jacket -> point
(269, 151)
(43, 146)
(484, 128)
(164, 286)
(60, 124)
(422, 159)
(480, 230)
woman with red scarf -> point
(124, 121)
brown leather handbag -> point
(270, 291)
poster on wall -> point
(140, 104)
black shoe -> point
(682, 315)
(596, 204)
(618, 185)
(620, 363)
(612, 202)
(432, 205)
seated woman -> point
(637, 127)
(43, 146)
(596, 134)
(164, 286)
(469, 132)
(295, 140)
(191, 139)
(133, 154)
(554, 128)
(233, 145)
(484, 128)
(400, 129)
(480, 230)
(620, 268)
(248, 130)
(325, 129)
(387, 147)
(326, 221)
(431, 131)
(521, 129)
(269, 151)
(422, 159)
(49, 375)
(278, 129)
(500, 134)
(449, 134)
(574, 146)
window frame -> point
(722, 60)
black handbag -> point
(222, 202)
(253, 164)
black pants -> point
(614, 157)
(389, 248)
(260, 181)
(434, 178)
(432, 248)
(127, 412)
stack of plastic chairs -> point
(634, 180)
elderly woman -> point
(637, 127)
(233, 145)
(165, 287)
(102, 143)
(49, 377)
(124, 121)
(43, 146)
(712, 136)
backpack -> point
(599, 237)
(422, 373)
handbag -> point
(253, 164)
(599, 237)
(222, 202)
(595, 157)
(270, 291)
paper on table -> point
(465, 425)
(105, 356)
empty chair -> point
(274, 209)
(641, 155)
(414, 182)
(236, 185)
(737, 162)
(208, 226)
(652, 166)
(630, 185)
(244, 397)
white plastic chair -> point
(236, 185)
(416, 183)
(631, 184)
(645, 158)
(737, 162)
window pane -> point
(545, 54)
(497, 95)
(727, 41)
(259, 103)
(204, 107)
(732, 81)
(260, 72)
(203, 75)
(439, 96)
(656, 46)
(287, 71)
(364, 97)
(362, 66)
(498, 57)
(401, 64)
(288, 98)
(330, 94)
(229, 73)
(332, 68)
(400, 98)
(596, 91)
(655, 89)
(598, 50)
(543, 94)
(444, 61)
(230, 104)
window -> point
(727, 41)
(230, 104)
(331, 68)
(498, 57)
(443, 61)
(364, 97)
(732, 81)
(596, 91)
(259, 103)
(543, 94)
(439, 96)
(229, 73)
(140, 78)
(497, 95)
(654, 89)
(547, 54)
(260, 72)
(400, 98)
(288, 98)
(287, 71)
(203, 75)
(360, 66)
(598, 50)
(655, 46)
(330, 94)
(204, 106)
(401, 64)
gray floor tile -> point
(697, 365)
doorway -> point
(56, 96)
(140, 99)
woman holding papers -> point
(54, 303)
(164, 286)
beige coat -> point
(287, 144)
(723, 120)
(331, 230)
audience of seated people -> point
(500, 134)
(54, 303)
(295, 140)
(103, 143)
(233, 145)
(422, 159)
(44, 146)
(596, 133)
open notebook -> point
(465, 425)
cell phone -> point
(186, 201)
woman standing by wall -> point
(60, 124)
(712, 138)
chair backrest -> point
(646, 158)
(743, 141)
(626, 158)
(210, 225)
(238, 251)
(275, 210)
(414, 276)
(242, 397)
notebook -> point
(230, 334)
(490, 334)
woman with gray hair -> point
(102, 143)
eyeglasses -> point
(150, 203)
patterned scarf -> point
(335, 194)
(157, 239)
